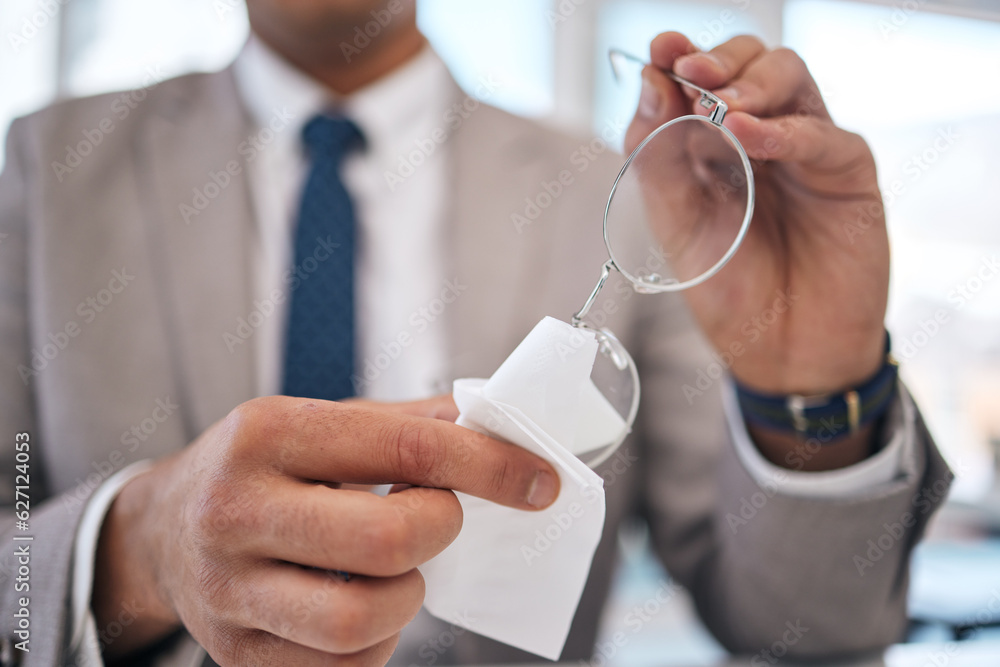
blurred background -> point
(917, 78)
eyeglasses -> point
(678, 211)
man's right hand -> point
(240, 536)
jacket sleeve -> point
(772, 570)
(36, 560)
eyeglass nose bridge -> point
(577, 319)
(707, 99)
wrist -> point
(818, 368)
(825, 418)
(126, 570)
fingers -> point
(714, 68)
(321, 611)
(336, 442)
(434, 453)
(256, 648)
(354, 531)
(809, 141)
(777, 83)
(742, 71)
(437, 407)
(775, 108)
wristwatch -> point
(824, 417)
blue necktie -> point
(319, 346)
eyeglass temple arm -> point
(707, 100)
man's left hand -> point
(817, 241)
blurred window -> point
(84, 47)
(28, 54)
(121, 44)
(509, 43)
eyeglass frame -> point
(716, 116)
(609, 343)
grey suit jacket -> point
(110, 302)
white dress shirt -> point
(400, 225)
(399, 270)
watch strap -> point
(825, 417)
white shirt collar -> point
(393, 111)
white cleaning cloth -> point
(512, 575)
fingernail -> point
(543, 491)
(649, 100)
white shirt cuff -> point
(85, 547)
(860, 479)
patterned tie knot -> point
(329, 136)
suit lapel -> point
(201, 227)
